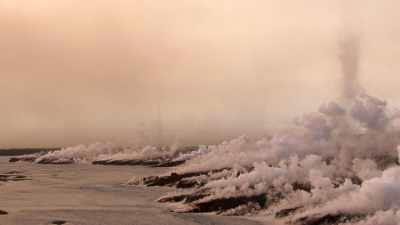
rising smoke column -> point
(350, 62)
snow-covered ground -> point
(82, 194)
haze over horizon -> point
(180, 71)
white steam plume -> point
(350, 64)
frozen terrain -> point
(82, 194)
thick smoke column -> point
(350, 61)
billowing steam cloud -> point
(338, 165)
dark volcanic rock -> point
(174, 198)
(329, 219)
(188, 183)
(246, 209)
(163, 180)
(192, 182)
(215, 205)
(58, 222)
(172, 163)
(173, 178)
(126, 162)
(12, 177)
(222, 204)
(26, 158)
(55, 161)
(186, 198)
(286, 212)
(157, 162)
(151, 163)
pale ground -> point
(90, 195)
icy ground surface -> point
(82, 194)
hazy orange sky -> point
(196, 71)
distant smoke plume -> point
(350, 60)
